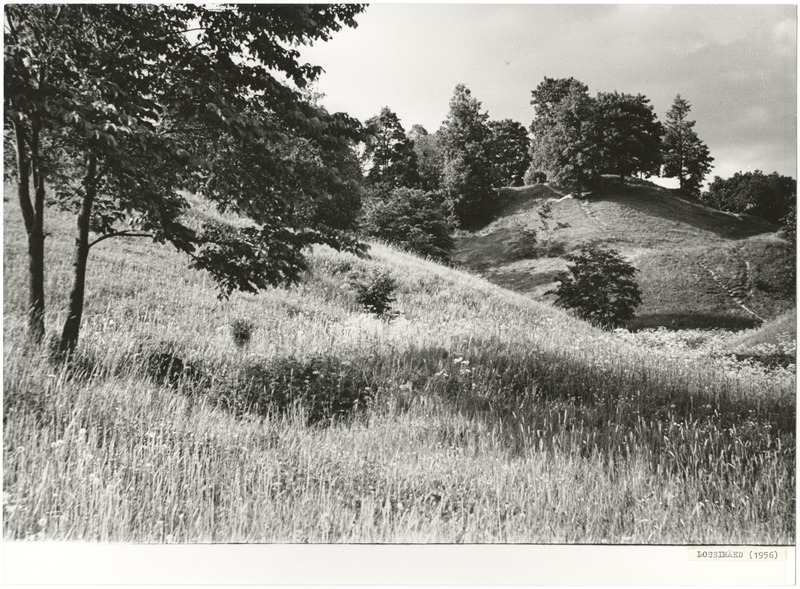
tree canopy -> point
(468, 174)
(430, 158)
(628, 134)
(509, 148)
(564, 145)
(577, 137)
(121, 106)
(390, 153)
(411, 219)
(770, 197)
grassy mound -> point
(475, 415)
(694, 263)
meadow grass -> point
(485, 416)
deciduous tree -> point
(628, 134)
(564, 144)
(509, 148)
(468, 175)
(600, 286)
(390, 153)
(138, 101)
(770, 197)
(430, 158)
(411, 219)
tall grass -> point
(487, 417)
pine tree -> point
(686, 157)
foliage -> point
(685, 156)
(771, 197)
(563, 144)
(375, 291)
(241, 332)
(122, 108)
(534, 177)
(527, 242)
(599, 286)
(411, 219)
(323, 388)
(628, 134)
(789, 226)
(509, 148)
(468, 174)
(390, 153)
(430, 158)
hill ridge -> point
(664, 235)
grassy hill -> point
(478, 415)
(697, 267)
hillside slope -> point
(697, 267)
(478, 415)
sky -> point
(736, 64)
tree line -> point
(115, 112)
(449, 177)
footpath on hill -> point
(690, 272)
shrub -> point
(375, 291)
(526, 243)
(411, 219)
(599, 286)
(324, 388)
(167, 368)
(241, 331)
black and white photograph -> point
(400, 274)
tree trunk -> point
(33, 215)
(72, 326)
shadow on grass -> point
(665, 204)
(675, 321)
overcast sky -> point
(736, 65)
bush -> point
(241, 332)
(525, 244)
(411, 219)
(375, 291)
(324, 388)
(599, 286)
